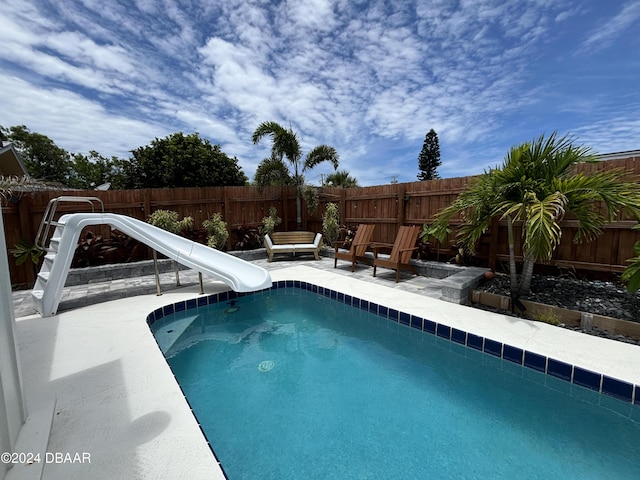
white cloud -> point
(73, 122)
(609, 30)
(368, 77)
(614, 134)
(310, 14)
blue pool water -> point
(289, 384)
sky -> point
(369, 78)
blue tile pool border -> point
(603, 384)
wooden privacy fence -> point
(386, 206)
(238, 206)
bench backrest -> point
(292, 238)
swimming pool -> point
(439, 410)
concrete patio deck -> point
(100, 291)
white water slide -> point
(240, 275)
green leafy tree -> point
(429, 158)
(180, 160)
(43, 159)
(121, 173)
(286, 145)
(537, 185)
(89, 171)
(340, 178)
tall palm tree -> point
(272, 172)
(286, 145)
(340, 178)
(537, 185)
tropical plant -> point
(429, 158)
(340, 178)
(217, 233)
(93, 249)
(12, 188)
(311, 198)
(631, 274)
(248, 238)
(168, 220)
(286, 145)
(428, 232)
(25, 250)
(537, 185)
(331, 223)
(270, 222)
(272, 172)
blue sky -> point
(369, 78)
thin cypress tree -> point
(429, 158)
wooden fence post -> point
(343, 206)
(225, 211)
(146, 199)
(24, 214)
(401, 190)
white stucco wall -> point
(12, 405)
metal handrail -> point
(50, 211)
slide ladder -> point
(49, 214)
(240, 275)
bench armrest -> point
(268, 243)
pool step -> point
(41, 293)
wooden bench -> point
(293, 242)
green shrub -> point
(331, 223)
(168, 220)
(270, 222)
(217, 233)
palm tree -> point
(537, 185)
(340, 178)
(286, 145)
(272, 172)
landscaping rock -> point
(601, 298)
